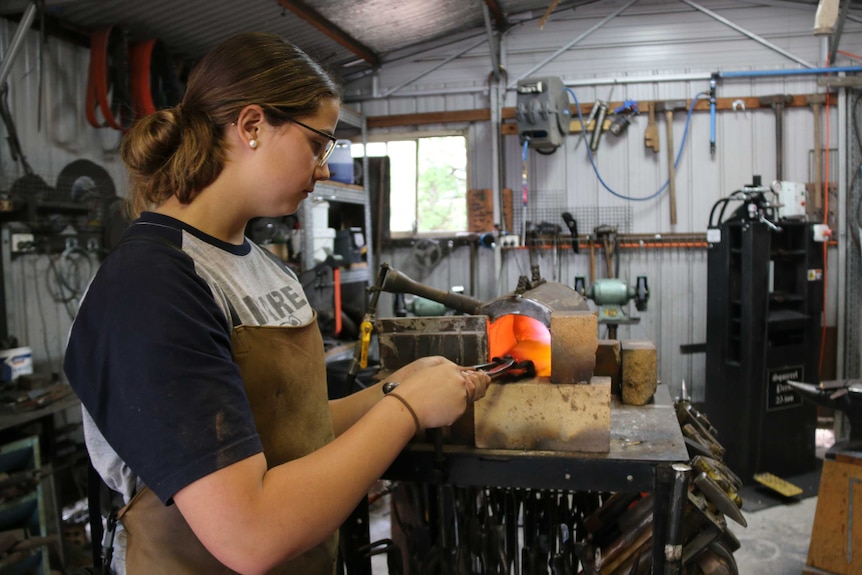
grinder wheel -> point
(427, 253)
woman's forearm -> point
(348, 410)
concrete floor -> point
(776, 539)
(774, 543)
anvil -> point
(840, 394)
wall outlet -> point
(822, 233)
(22, 243)
(510, 241)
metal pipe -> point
(396, 282)
(553, 56)
(17, 40)
(839, 30)
(779, 142)
(846, 354)
(678, 501)
(818, 154)
(712, 82)
(730, 75)
(498, 177)
(751, 35)
(492, 48)
(8, 319)
(797, 72)
(663, 245)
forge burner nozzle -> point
(396, 282)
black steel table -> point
(646, 442)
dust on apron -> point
(284, 374)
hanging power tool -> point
(622, 118)
(543, 113)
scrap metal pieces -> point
(622, 529)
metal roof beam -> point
(432, 68)
(493, 44)
(314, 18)
(752, 35)
(553, 56)
(839, 29)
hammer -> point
(778, 104)
(816, 101)
(669, 108)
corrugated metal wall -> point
(46, 99)
(654, 39)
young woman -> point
(197, 357)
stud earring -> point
(252, 144)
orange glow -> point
(523, 338)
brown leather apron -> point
(284, 373)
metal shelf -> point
(358, 275)
(338, 192)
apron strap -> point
(101, 500)
(94, 498)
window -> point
(428, 183)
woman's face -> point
(288, 160)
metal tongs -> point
(508, 368)
(505, 368)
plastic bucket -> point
(15, 363)
(323, 242)
(341, 163)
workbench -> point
(43, 441)
(13, 418)
(646, 441)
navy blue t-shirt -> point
(149, 353)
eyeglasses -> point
(330, 144)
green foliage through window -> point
(428, 183)
(442, 184)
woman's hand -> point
(439, 390)
(476, 382)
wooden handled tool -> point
(671, 172)
(651, 134)
(668, 108)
